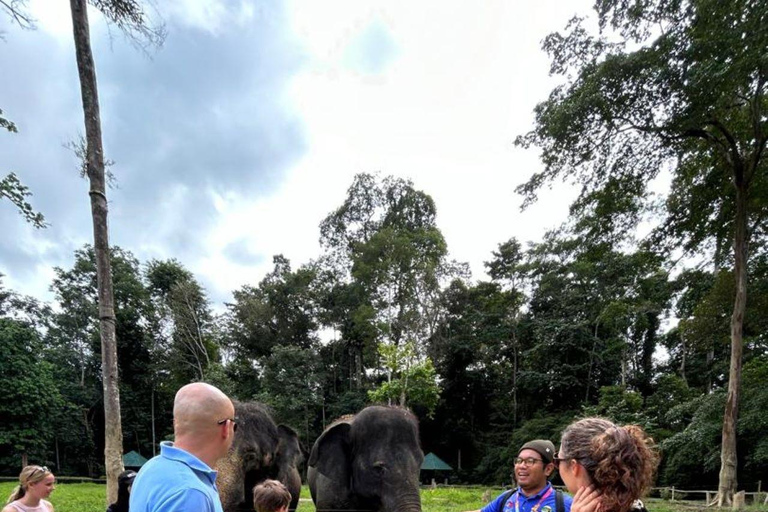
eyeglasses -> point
(557, 459)
(530, 461)
(233, 420)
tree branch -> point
(24, 20)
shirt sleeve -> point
(188, 500)
(495, 504)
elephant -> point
(261, 450)
(369, 461)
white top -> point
(43, 506)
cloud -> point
(240, 253)
(203, 116)
(238, 136)
(372, 50)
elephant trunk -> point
(408, 502)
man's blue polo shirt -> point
(527, 502)
(175, 481)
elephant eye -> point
(379, 466)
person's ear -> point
(225, 430)
(549, 469)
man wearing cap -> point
(124, 483)
(533, 467)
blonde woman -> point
(36, 483)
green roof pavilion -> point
(434, 463)
(133, 459)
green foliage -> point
(184, 317)
(15, 191)
(30, 392)
(619, 405)
(409, 380)
(6, 124)
(291, 385)
(12, 189)
(497, 466)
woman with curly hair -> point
(35, 484)
(607, 467)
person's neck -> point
(30, 501)
(533, 491)
(199, 450)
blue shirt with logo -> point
(175, 481)
(526, 503)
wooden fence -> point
(673, 494)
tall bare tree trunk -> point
(113, 442)
(728, 458)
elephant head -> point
(261, 450)
(368, 462)
(289, 457)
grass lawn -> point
(90, 498)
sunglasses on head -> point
(233, 420)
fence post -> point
(759, 485)
(673, 493)
(707, 498)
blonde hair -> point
(620, 461)
(29, 475)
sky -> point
(233, 140)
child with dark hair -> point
(608, 467)
(271, 496)
(124, 483)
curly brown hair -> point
(620, 461)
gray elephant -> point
(261, 450)
(369, 461)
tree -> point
(16, 10)
(13, 190)
(29, 392)
(290, 385)
(410, 380)
(389, 257)
(187, 325)
(73, 344)
(131, 18)
(667, 85)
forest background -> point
(564, 328)
(593, 320)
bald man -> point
(181, 478)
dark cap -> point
(126, 476)
(543, 447)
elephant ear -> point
(332, 452)
(288, 437)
